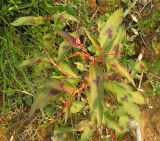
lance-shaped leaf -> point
(101, 23)
(96, 91)
(115, 48)
(120, 93)
(81, 126)
(110, 27)
(123, 92)
(29, 20)
(117, 67)
(66, 16)
(64, 134)
(41, 100)
(109, 122)
(66, 69)
(81, 66)
(123, 122)
(138, 68)
(93, 40)
(63, 49)
(88, 131)
(69, 39)
(53, 87)
(137, 98)
(132, 110)
(48, 41)
(129, 108)
(31, 61)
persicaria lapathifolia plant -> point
(87, 82)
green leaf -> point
(138, 68)
(64, 134)
(81, 126)
(123, 122)
(110, 123)
(49, 110)
(29, 20)
(117, 67)
(110, 28)
(66, 16)
(96, 91)
(65, 68)
(89, 130)
(101, 22)
(120, 111)
(115, 88)
(94, 41)
(132, 110)
(64, 130)
(62, 51)
(73, 81)
(81, 66)
(48, 41)
(115, 48)
(31, 61)
(76, 106)
(54, 87)
(137, 98)
(41, 100)
(123, 92)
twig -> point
(11, 139)
(138, 134)
(154, 76)
(3, 137)
(143, 41)
(54, 64)
(94, 13)
(145, 6)
(140, 81)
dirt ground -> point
(150, 126)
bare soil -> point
(150, 126)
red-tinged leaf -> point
(69, 39)
(96, 91)
(117, 67)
